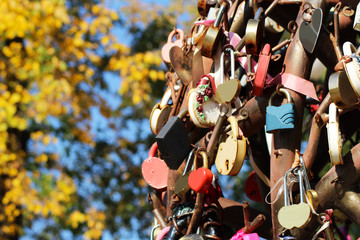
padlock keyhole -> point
(227, 164)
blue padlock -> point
(280, 117)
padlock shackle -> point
(232, 64)
(301, 184)
(188, 160)
(175, 31)
(182, 113)
(234, 126)
(286, 194)
(285, 92)
(167, 95)
(153, 150)
(220, 15)
(204, 157)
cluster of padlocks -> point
(237, 88)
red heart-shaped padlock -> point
(200, 180)
(155, 170)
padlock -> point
(312, 197)
(255, 30)
(180, 220)
(261, 71)
(173, 141)
(254, 33)
(203, 6)
(341, 91)
(227, 91)
(155, 170)
(357, 18)
(161, 111)
(280, 117)
(200, 179)
(294, 215)
(182, 184)
(231, 153)
(309, 30)
(203, 109)
(193, 236)
(352, 68)
(214, 33)
(334, 136)
(165, 51)
(251, 188)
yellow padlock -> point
(231, 153)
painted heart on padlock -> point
(203, 116)
(295, 215)
(200, 180)
(309, 31)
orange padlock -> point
(155, 170)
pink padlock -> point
(165, 51)
(155, 170)
(240, 235)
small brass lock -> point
(161, 111)
(231, 153)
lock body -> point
(280, 117)
(173, 142)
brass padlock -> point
(214, 33)
(231, 153)
(227, 91)
(161, 111)
(294, 215)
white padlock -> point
(352, 68)
(334, 136)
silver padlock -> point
(294, 215)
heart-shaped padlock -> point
(161, 111)
(227, 91)
(155, 170)
(309, 30)
(200, 179)
(165, 51)
(294, 215)
(231, 153)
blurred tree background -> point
(78, 80)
